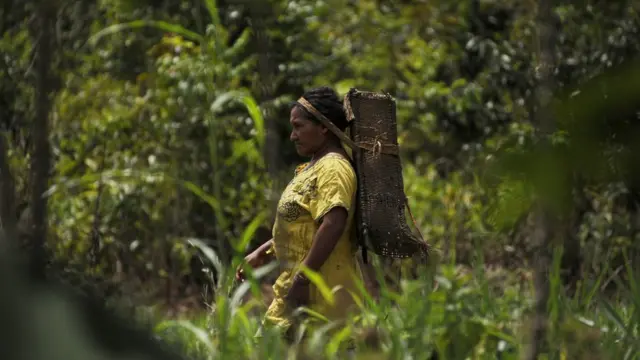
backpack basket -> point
(380, 215)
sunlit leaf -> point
(317, 280)
(137, 24)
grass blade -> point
(212, 7)
(210, 255)
(613, 315)
(243, 96)
(320, 284)
(199, 334)
(199, 192)
(249, 231)
(137, 24)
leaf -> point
(221, 100)
(356, 299)
(250, 104)
(199, 333)
(239, 293)
(239, 45)
(212, 7)
(257, 274)
(115, 178)
(444, 282)
(317, 280)
(334, 345)
(345, 85)
(137, 24)
(614, 315)
(249, 231)
(495, 331)
(210, 254)
(595, 287)
(262, 271)
(308, 311)
(256, 115)
(246, 148)
(316, 342)
(198, 191)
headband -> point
(376, 146)
(326, 122)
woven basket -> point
(381, 201)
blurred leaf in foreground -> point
(50, 321)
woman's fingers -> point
(253, 262)
(240, 273)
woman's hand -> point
(255, 259)
(298, 294)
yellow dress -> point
(313, 191)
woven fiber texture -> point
(381, 201)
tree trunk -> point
(40, 160)
(7, 200)
(543, 234)
(259, 10)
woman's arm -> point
(256, 258)
(326, 238)
(264, 248)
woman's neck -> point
(326, 149)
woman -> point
(314, 218)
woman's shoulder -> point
(334, 162)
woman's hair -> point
(327, 102)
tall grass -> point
(470, 313)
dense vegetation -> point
(168, 130)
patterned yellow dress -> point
(313, 191)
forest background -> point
(165, 126)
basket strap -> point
(373, 146)
(406, 201)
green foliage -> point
(159, 131)
(469, 314)
(174, 143)
(474, 313)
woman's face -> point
(308, 136)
